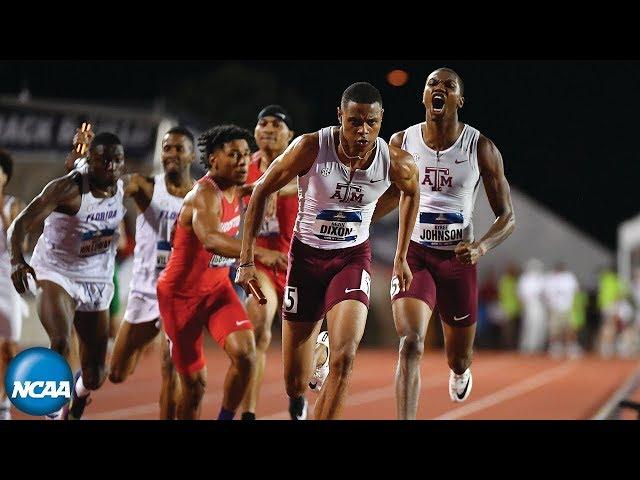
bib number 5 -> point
(291, 299)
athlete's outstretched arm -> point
(298, 158)
(499, 195)
(206, 225)
(404, 175)
(60, 192)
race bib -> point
(220, 261)
(96, 242)
(441, 229)
(163, 252)
(337, 226)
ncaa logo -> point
(38, 381)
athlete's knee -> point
(194, 388)
(459, 362)
(341, 362)
(412, 346)
(93, 377)
(244, 358)
(263, 337)
(61, 344)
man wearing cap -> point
(273, 133)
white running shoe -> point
(460, 385)
(322, 371)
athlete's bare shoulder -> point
(63, 188)
(297, 159)
(401, 160)
(489, 157)
(403, 168)
(204, 195)
(397, 139)
(306, 144)
(486, 145)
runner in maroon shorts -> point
(342, 171)
(194, 290)
(451, 158)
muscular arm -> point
(59, 193)
(499, 195)
(389, 200)
(206, 225)
(404, 175)
(296, 159)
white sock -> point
(81, 391)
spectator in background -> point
(487, 306)
(611, 290)
(617, 329)
(561, 287)
(533, 332)
(579, 316)
(510, 306)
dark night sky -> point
(566, 129)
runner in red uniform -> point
(194, 290)
(273, 133)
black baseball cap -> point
(278, 112)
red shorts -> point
(319, 279)
(184, 317)
(440, 279)
(277, 277)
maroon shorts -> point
(319, 279)
(439, 279)
(184, 319)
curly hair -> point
(217, 136)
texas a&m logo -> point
(347, 192)
(437, 178)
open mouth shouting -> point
(437, 102)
